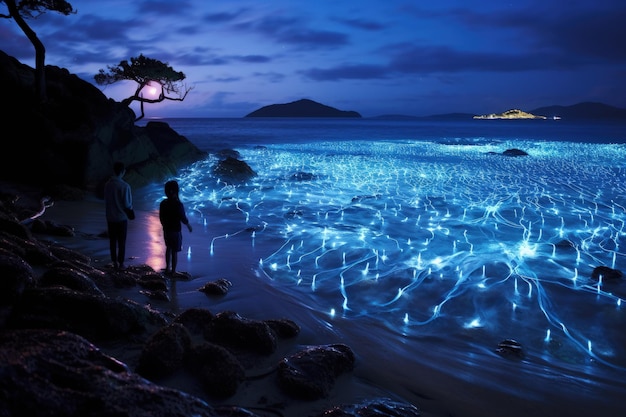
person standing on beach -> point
(118, 202)
(172, 215)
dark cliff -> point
(301, 108)
(74, 138)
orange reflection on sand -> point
(155, 247)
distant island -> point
(510, 114)
(301, 108)
(583, 111)
(586, 111)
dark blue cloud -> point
(223, 17)
(364, 24)
(294, 31)
(162, 7)
(594, 33)
(348, 72)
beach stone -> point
(378, 407)
(196, 320)
(164, 352)
(510, 348)
(217, 287)
(231, 330)
(218, 370)
(285, 328)
(311, 373)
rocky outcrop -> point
(55, 373)
(233, 170)
(301, 108)
(74, 138)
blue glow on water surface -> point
(434, 236)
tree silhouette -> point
(20, 10)
(146, 72)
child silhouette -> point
(172, 215)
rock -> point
(52, 373)
(233, 170)
(164, 352)
(94, 317)
(311, 374)
(607, 274)
(510, 348)
(218, 371)
(303, 176)
(514, 152)
(283, 327)
(31, 251)
(230, 329)
(196, 320)
(378, 407)
(217, 287)
(69, 278)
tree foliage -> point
(19, 11)
(146, 72)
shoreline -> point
(251, 299)
(420, 382)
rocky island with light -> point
(510, 114)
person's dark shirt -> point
(172, 214)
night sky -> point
(376, 57)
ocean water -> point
(417, 238)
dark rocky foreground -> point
(57, 323)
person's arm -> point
(128, 198)
(183, 218)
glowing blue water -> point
(427, 229)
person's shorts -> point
(173, 240)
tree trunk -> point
(40, 50)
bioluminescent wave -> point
(441, 240)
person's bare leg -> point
(174, 261)
(168, 260)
